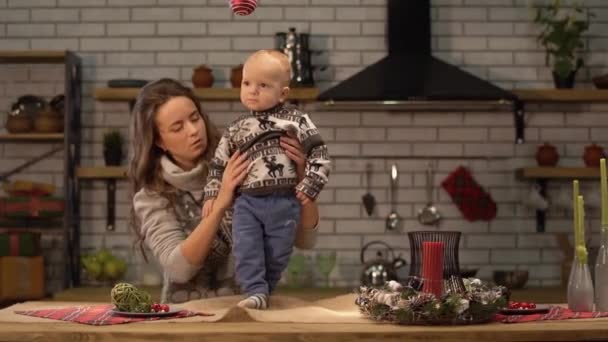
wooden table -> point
(573, 330)
(581, 330)
(541, 295)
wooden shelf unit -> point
(209, 94)
(562, 95)
(32, 56)
(101, 172)
(33, 137)
(37, 230)
(559, 172)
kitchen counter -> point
(20, 329)
(541, 295)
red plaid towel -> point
(98, 315)
(556, 313)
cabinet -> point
(70, 145)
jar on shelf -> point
(546, 155)
(202, 77)
(593, 154)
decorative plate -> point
(540, 308)
(172, 311)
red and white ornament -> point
(243, 7)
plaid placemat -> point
(98, 315)
(556, 313)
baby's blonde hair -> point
(280, 57)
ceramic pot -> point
(546, 155)
(236, 76)
(202, 77)
(564, 82)
(18, 123)
(48, 121)
(112, 157)
(593, 154)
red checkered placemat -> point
(98, 315)
(555, 313)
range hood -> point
(409, 77)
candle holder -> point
(451, 269)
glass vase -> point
(601, 274)
(580, 287)
(452, 280)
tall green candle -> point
(604, 184)
(575, 192)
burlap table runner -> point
(283, 309)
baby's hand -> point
(207, 207)
(303, 198)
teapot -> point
(380, 270)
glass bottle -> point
(580, 285)
(601, 273)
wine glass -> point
(325, 262)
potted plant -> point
(112, 148)
(561, 36)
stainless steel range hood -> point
(410, 78)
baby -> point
(267, 207)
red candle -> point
(432, 267)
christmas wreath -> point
(404, 304)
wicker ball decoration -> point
(243, 7)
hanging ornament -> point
(243, 7)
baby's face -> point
(264, 84)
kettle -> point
(296, 47)
(380, 270)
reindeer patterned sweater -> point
(257, 134)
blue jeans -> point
(264, 231)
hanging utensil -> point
(393, 219)
(429, 215)
(369, 201)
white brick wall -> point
(494, 39)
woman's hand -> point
(293, 150)
(234, 174)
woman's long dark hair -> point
(144, 169)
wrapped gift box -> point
(21, 278)
(32, 206)
(19, 244)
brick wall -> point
(167, 38)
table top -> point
(541, 295)
(568, 330)
(572, 330)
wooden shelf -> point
(32, 56)
(24, 137)
(562, 95)
(209, 94)
(559, 172)
(40, 230)
(101, 172)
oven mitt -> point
(474, 203)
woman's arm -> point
(198, 244)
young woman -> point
(172, 141)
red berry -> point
(532, 306)
(164, 307)
(155, 307)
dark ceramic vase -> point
(564, 82)
(112, 157)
